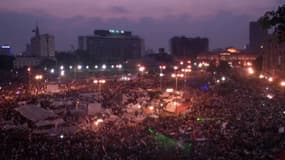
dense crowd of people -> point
(230, 120)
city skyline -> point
(229, 22)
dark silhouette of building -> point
(42, 45)
(5, 50)
(257, 36)
(112, 45)
(273, 54)
(188, 47)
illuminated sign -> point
(116, 31)
(5, 47)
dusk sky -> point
(224, 22)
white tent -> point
(171, 107)
(35, 113)
(94, 108)
(54, 122)
(52, 88)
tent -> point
(54, 122)
(52, 88)
(35, 113)
(94, 108)
(175, 107)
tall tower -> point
(257, 36)
(42, 45)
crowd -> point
(231, 120)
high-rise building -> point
(5, 50)
(273, 54)
(42, 45)
(112, 45)
(188, 47)
(257, 36)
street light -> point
(104, 66)
(141, 69)
(250, 70)
(161, 68)
(176, 76)
(261, 76)
(79, 67)
(52, 71)
(62, 73)
(38, 77)
(282, 83)
(186, 71)
(99, 82)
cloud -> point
(224, 29)
(147, 8)
(119, 10)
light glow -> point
(52, 71)
(62, 73)
(250, 70)
(169, 90)
(38, 77)
(141, 69)
(261, 76)
(98, 121)
(269, 96)
(104, 66)
(282, 83)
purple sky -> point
(224, 22)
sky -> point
(224, 22)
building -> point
(233, 56)
(188, 47)
(273, 54)
(42, 45)
(257, 36)
(112, 45)
(5, 50)
(26, 61)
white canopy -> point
(35, 113)
(54, 122)
(94, 108)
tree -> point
(223, 67)
(275, 20)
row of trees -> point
(275, 20)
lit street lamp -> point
(176, 76)
(141, 69)
(38, 78)
(161, 68)
(186, 71)
(250, 71)
(99, 82)
(282, 83)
